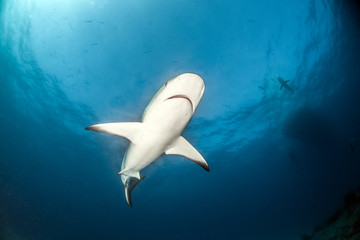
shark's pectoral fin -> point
(130, 184)
(182, 147)
(129, 130)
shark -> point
(284, 84)
(160, 129)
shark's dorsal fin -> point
(129, 130)
(182, 147)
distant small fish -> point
(90, 21)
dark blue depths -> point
(281, 160)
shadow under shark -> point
(309, 127)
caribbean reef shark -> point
(160, 130)
(284, 84)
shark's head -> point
(189, 86)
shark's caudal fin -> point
(182, 147)
(130, 179)
(130, 184)
(129, 130)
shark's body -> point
(284, 84)
(160, 129)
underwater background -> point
(281, 160)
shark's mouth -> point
(182, 96)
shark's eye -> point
(166, 84)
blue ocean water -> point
(281, 160)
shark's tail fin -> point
(130, 182)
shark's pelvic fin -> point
(129, 130)
(129, 173)
(130, 184)
(182, 147)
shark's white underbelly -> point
(163, 123)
